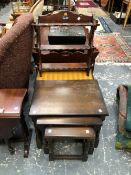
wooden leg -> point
(91, 149)
(112, 4)
(46, 147)
(94, 55)
(51, 150)
(27, 137)
(97, 136)
(40, 71)
(10, 146)
(100, 3)
(86, 146)
(127, 14)
(27, 142)
(40, 65)
(109, 5)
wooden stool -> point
(87, 135)
(42, 123)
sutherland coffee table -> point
(67, 103)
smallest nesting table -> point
(85, 134)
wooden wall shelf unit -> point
(66, 53)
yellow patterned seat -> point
(65, 75)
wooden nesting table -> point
(67, 103)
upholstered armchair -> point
(15, 53)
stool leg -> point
(51, 150)
(91, 149)
(97, 136)
(46, 147)
(86, 146)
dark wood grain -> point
(63, 47)
(68, 19)
(64, 16)
(64, 24)
(11, 118)
(11, 102)
(68, 98)
(64, 66)
(70, 132)
(72, 121)
(85, 134)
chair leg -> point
(27, 141)
(121, 13)
(112, 4)
(27, 134)
(127, 15)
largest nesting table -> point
(67, 103)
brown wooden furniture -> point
(11, 115)
(15, 66)
(85, 134)
(41, 124)
(66, 53)
(67, 103)
(128, 10)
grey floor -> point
(106, 160)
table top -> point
(11, 102)
(67, 98)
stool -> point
(86, 134)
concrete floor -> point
(106, 160)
